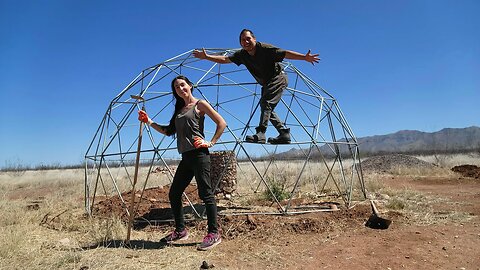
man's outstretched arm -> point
(221, 59)
(311, 58)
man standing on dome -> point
(262, 61)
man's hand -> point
(143, 116)
(312, 58)
(201, 143)
(200, 54)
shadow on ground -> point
(136, 244)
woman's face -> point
(182, 88)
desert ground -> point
(434, 212)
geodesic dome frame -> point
(321, 136)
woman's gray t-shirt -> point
(188, 124)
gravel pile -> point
(389, 162)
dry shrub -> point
(14, 239)
(373, 183)
(277, 190)
(12, 213)
(102, 231)
(396, 204)
(67, 259)
(14, 168)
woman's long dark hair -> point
(179, 104)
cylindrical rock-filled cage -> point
(223, 172)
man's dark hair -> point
(243, 31)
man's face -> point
(248, 42)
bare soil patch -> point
(154, 203)
(337, 240)
(321, 240)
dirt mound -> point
(265, 226)
(155, 205)
(154, 213)
(154, 202)
(389, 162)
(468, 171)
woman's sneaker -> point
(175, 236)
(209, 241)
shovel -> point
(375, 221)
(135, 177)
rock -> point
(385, 197)
(64, 242)
(206, 265)
(67, 244)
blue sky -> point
(392, 65)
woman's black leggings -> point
(194, 163)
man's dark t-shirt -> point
(264, 64)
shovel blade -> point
(139, 98)
(376, 222)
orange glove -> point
(198, 142)
(143, 116)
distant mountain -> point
(414, 141)
(447, 140)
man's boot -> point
(283, 138)
(257, 138)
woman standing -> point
(187, 123)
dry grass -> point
(57, 235)
(420, 171)
(417, 206)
